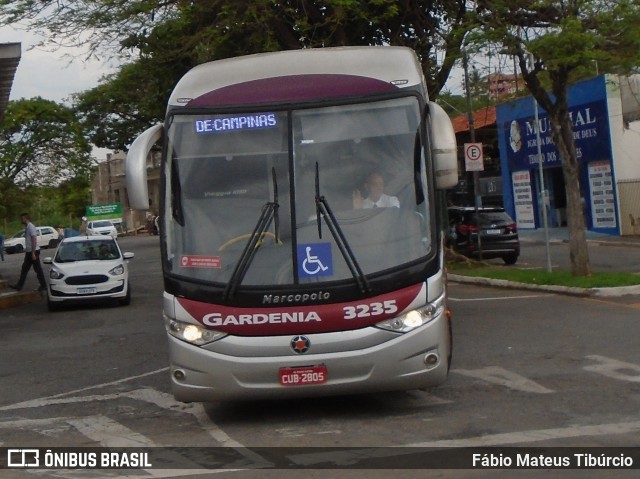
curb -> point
(572, 291)
(8, 300)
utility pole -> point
(543, 192)
(472, 134)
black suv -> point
(498, 233)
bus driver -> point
(376, 198)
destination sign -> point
(236, 123)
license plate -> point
(303, 376)
(86, 290)
(494, 232)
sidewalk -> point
(9, 273)
(561, 235)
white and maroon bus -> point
(287, 271)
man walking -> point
(31, 255)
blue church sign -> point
(590, 132)
(518, 146)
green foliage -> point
(163, 39)
(569, 39)
(45, 161)
(126, 103)
(42, 143)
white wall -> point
(624, 121)
(623, 98)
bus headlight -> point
(191, 333)
(414, 318)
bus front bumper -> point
(364, 360)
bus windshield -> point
(340, 185)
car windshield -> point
(244, 193)
(490, 217)
(87, 251)
(102, 224)
(19, 234)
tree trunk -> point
(578, 249)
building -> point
(606, 117)
(109, 186)
(502, 84)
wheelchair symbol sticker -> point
(314, 259)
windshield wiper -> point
(324, 210)
(268, 214)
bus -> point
(285, 275)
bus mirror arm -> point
(324, 210)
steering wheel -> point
(247, 236)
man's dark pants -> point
(26, 266)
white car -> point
(47, 238)
(101, 228)
(88, 268)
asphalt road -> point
(530, 369)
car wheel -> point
(126, 301)
(18, 248)
(510, 258)
(53, 243)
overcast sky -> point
(49, 74)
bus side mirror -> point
(443, 147)
(136, 167)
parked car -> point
(88, 268)
(101, 228)
(47, 238)
(498, 233)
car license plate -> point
(303, 376)
(494, 231)
(86, 290)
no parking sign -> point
(473, 160)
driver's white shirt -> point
(385, 201)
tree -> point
(73, 196)
(165, 38)
(127, 102)
(42, 144)
(566, 38)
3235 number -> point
(370, 309)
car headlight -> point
(415, 318)
(56, 274)
(118, 270)
(191, 333)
